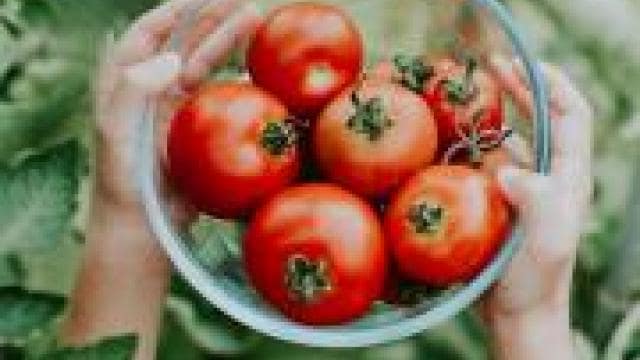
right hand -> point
(528, 308)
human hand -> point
(124, 275)
(137, 68)
(530, 304)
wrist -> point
(540, 332)
(119, 236)
(105, 207)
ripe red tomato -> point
(230, 147)
(463, 98)
(374, 137)
(306, 54)
(317, 253)
(446, 224)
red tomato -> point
(446, 224)
(317, 253)
(230, 147)
(306, 54)
(463, 98)
(373, 138)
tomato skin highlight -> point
(306, 54)
(372, 167)
(317, 222)
(472, 225)
(488, 100)
(216, 153)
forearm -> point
(538, 334)
(122, 282)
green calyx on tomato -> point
(457, 91)
(278, 136)
(427, 218)
(369, 118)
(478, 142)
(306, 279)
(461, 91)
(414, 73)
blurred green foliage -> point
(47, 59)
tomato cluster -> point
(321, 248)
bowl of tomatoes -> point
(338, 172)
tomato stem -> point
(427, 218)
(477, 143)
(306, 279)
(278, 136)
(461, 91)
(369, 118)
(414, 73)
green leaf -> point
(22, 312)
(271, 349)
(216, 244)
(584, 348)
(54, 270)
(625, 341)
(39, 199)
(114, 348)
(214, 337)
(12, 353)
(207, 327)
(44, 77)
(12, 271)
(459, 338)
(175, 344)
(41, 106)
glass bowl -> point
(412, 26)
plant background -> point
(47, 57)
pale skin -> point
(124, 277)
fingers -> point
(107, 78)
(513, 78)
(221, 26)
(156, 74)
(575, 119)
(547, 215)
(519, 150)
(570, 112)
(572, 137)
(150, 31)
(564, 95)
(129, 103)
(208, 19)
(519, 185)
(508, 74)
(218, 45)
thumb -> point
(522, 188)
(156, 74)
